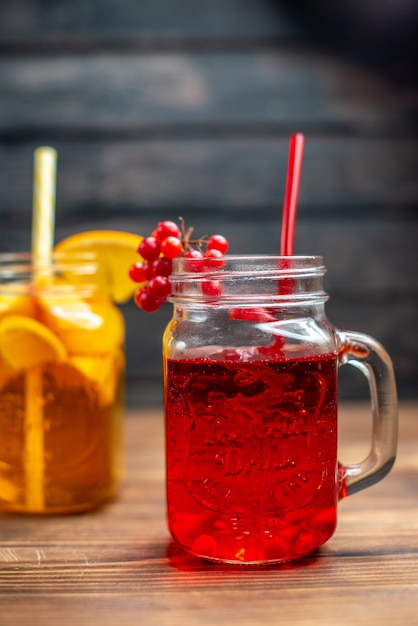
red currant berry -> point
(193, 254)
(167, 229)
(193, 264)
(148, 270)
(218, 242)
(146, 301)
(211, 288)
(215, 259)
(171, 247)
(162, 266)
(213, 253)
(149, 248)
(136, 273)
(159, 287)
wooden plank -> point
(339, 174)
(118, 565)
(360, 604)
(101, 565)
(201, 93)
(133, 22)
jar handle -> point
(369, 356)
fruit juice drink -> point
(252, 454)
(61, 387)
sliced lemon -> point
(115, 250)
(24, 343)
(17, 305)
(84, 328)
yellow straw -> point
(43, 215)
(43, 224)
(34, 440)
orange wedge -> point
(25, 343)
(115, 250)
(93, 328)
(16, 305)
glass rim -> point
(28, 262)
(230, 266)
(23, 273)
(247, 281)
(30, 256)
(266, 257)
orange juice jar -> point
(61, 385)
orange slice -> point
(93, 328)
(115, 250)
(24, 343)
(16, 305)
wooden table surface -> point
(118, 566)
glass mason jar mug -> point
(61, 385)
(250, 373)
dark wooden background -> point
(161, 108)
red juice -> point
(251, 455)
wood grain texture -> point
(118, 565)
(122, 20)
(135, 93)
(216, 173)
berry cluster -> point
(166, 243)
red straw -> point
(294, 167)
